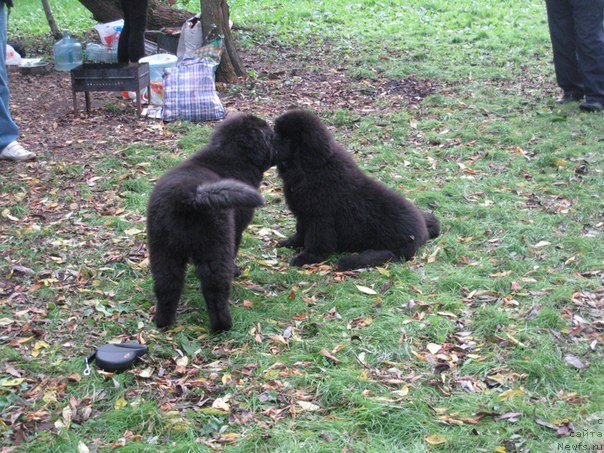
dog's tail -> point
(432, 224)
(225, 194)
(366, 258)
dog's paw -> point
(236, 271)
(292, 242)
(221, 325)
(162, 321)
(304, 258)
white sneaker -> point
(14, 151)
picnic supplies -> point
(211, 50)
(190, 93)
(67, 53)
(12, 56)
(191, 37)
(109, 33)
(157, 64)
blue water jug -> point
(68, 53)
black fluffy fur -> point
(337, 207)
(198, 211)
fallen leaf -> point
(278, 339)
(146, 373)
(383, 271)
(67, 414)
(11, 382)
(574, 361)
(327, 354)
(221, 404)
(38, 346)
(510, 393)
(402, 392)
(228, 438)
(541, 244)
(513, 340)
(82, 448)
(542, 422)
(310, 407)
(433, 348)
(511, 417)
(366, 290)
(182, 361)
(120, 403)
(432, 257)
(436, 439)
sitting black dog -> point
(337, 207)
(198, 211)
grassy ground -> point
(490, 340)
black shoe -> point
(570, 97)
(591, 106)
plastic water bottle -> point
(93, 52)
(68, 53)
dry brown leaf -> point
(325, 353)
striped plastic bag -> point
(190, 93)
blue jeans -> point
(8, 129)
(578, 43)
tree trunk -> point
(158, 14)
(215, 13)
(56, 33)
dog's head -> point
(301, 139)
(250, 137)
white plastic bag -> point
(191, 37)
(12, 57)
(110, 32)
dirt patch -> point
(42, 104)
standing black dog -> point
(337, 207)
(198, 211)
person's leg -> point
(122, 45)
(589, 29)
(8, 129)
(562, 33)
(138, 25)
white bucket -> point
(157, 64)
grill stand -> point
(109, 77)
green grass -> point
(510, 289)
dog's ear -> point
(303, 134)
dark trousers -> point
(577, 32)
(131, 46)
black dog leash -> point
(115, 357)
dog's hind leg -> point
(320, 241)
(216, 277)
(432, 224)
(168, 281)
(366, 258)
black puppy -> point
(337, 207)
(198, 211)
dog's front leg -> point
(296, 240)
(320, 241)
